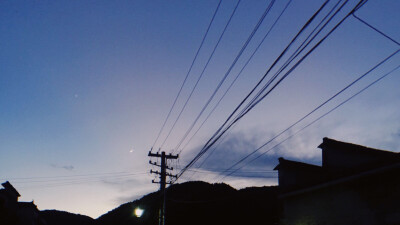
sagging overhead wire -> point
(295, 54)
(375, 29)
(64, 179)
(314, 121)
(255, 29)
(212, 139)
(261, 95)
(218, 134)
(362, 76)
(66, 176)
(258, 99)
(207, 146)
(305, 43)
(201, 75)
(313, 111)
(237, 76)
(40, 182)
(187, 74)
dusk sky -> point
(85, 87)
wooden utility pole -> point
(163, 178)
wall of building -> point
(292, 178)
(372, 200)
(28, 215)
(348, 157)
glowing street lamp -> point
(138, 212)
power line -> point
(277, 83)
(187, 74)
(298, 51)
(312, 110)
(56, 183)
(209, 155)
(305, 43)
(314, 121)
(216, 170)
(58, 179)
(348, 99)
(375, 29)
(75, 175)
(212, 140)
(254, 102)
(257, 99)
(255, 29)
(237, 76)
(201, 75)
(216, 135)
(288, 72)
(270, 68)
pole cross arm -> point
(170, 175)
(156, 172)
(154, 154)
(154, 163)
(170, 156)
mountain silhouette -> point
(201, 203)
(55, 217)
(191, 203)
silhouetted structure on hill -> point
(354, 185)
(13, 212)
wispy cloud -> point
(238, 145)
(233, 148)
(69, 168)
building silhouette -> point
(13, 212)
(354, 185)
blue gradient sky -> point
(85, 87)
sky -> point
(85, 87)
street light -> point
(138, 212)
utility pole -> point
(163, 178)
